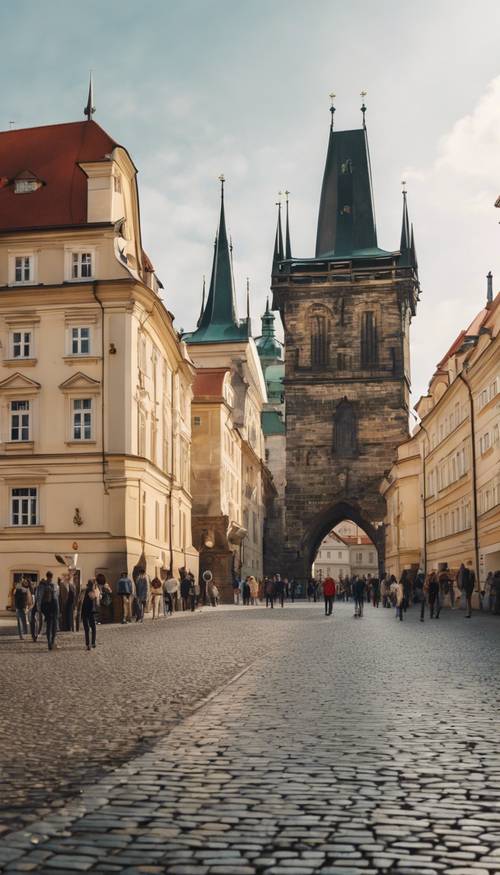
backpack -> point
(48, 593)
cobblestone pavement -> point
(353, 746)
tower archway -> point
(331, 517)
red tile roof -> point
(209, 382)
(52, 153)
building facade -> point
(228, 464)
(346, 551)
(346, 314)
(95, 386)
(443, 492)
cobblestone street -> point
(346, 746)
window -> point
(369, 340)
(81, 265)
(339, 554)
(23, 269)
(319, 341)
(19, 420)
(197, 420)
(21, 344)
(359, 558)
(345, 429)
(80, 341)
(81, 428)
(24, 506)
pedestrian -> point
(47, 599)
(125, 589)
(496, 588)
(444, 579)
(489, 592)
(376, 591)
(141, 593)
(406, 584)
(246, 591)
(236, 589)
(469, 581)
(254, 590)
(170, 592)
(21, 606)
(329, 595)
(424, 595)
(89, 605)
(105, 599)
(310, 589)
(359, 596)
(212, 590)
(433, 594)
(269, 591)
(400, 599)
(293, 589)
(192, 597)
(185, 587)
(279, 589)
(156, 596)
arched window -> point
(345, 438)
(319, 340)
(369, 340)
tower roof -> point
(219, 321)
(268, 345)
(346, 221)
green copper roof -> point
(219, 321)
(272, 422)
(268, 346)
(346, 221)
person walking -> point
(246, 591)
(406, 584)
(141, 594)
(47, 599)
(254, 590)
(433, 593)
(469, 580)
(359, 596)
(329, 595)
(156, 597)
(496, 589)
(125, 589)
(21, 606)
(279, 590)
(375, 592)
(444, 579)
(184, 592)
(400, 599)
(192, 597)
(89, 605)
(293, 589)
(269, 592)
(236, 589)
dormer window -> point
(26, 182)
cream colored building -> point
(443, 492)
(347, 550)
(228, 443)
(95, 386)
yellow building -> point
(228, 444)
(443, 495)
(95, 387)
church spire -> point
(278, 254)
(405, 244)
(346, 220)
(202, 303)
(288, 247)
(413, 251)
(90, 108)
(218, 321)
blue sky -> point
(197, 88)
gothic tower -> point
(346, 315)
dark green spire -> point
(278, 253)
(346, 221)
(268, 346)
(404, 245)
(219, 321)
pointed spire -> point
(90, 108)
(249, 321)
(288, 248)
(363, 108)
(267, 310)
(278, 241)
(202, 304)
(332, 108)
(489, 292)
(404, 246)
(219, 321)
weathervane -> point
(332, 107)
(403, 183)
(363, 106)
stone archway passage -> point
(331, 517)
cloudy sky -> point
(200, 87)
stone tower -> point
(346, 315)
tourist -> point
(406, 584)
(279, 590)
(359, 596)
(89, 604)
(269, 591)
(21, 606)
(213, 591)
(400, 598)
(185, 588)
(376, 592)
(444, 579)
(310, 589)
(124, 589)
(393, 585)
(433, 595)
(105, 599)
(496, 588)
(329, 595)
(141, 594)
(293, 589)
(170, 592)
(192, 592)
(156, 596)
(236, 589)
(246, 591)
(47, 600)
(254, 590)
(469, 580)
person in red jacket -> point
(329, 594)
